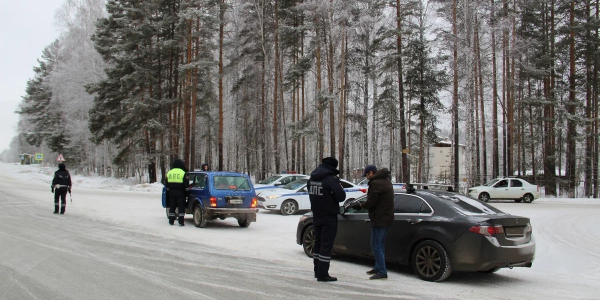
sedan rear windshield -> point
(238, 183)
(470, 206)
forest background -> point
(261, 87)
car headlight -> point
(272, 197)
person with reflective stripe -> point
(325, 193)
(61, 184)
(177, 186)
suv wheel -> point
(199, 218)
(484, 197)
(431, 262)
(289, 207)
(308, 240)
(528, 198)
(243, 222)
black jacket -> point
(325, 191)
(380, 199)
(62, 177)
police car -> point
(293, 197)
(277, 181)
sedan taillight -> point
(487, 230)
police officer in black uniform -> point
(61, 184)
(325, 193)
(177, 187)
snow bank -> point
(44, 175)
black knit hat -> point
(62, 166)
(331, 161)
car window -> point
(238, 183)
(501, 184)
(198, 181)
(491, 183)
(345, 185)
(404, 204)
(286, 180)
(470, 206)
(295, 184)
(269, 180)
(516, 183)
(425, 209)
(351, 210)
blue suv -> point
(220, 195)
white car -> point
(506, 188)
(293, 197)
(277, 181)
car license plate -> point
(236, 201)
(514, 231)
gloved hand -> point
(69, 190)
(356, 206)
(52, 189)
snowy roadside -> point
(44, 175)
(567, 264)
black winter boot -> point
(327, 279)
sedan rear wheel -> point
(289, 207)
(484, 197)
(431, 262)
(528, 198)
(308, 240)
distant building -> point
(440, 160)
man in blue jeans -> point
(380, 203)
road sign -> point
(60, 158)
(39, 156)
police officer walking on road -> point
(177, 186)
(61, 184)
(325, 193)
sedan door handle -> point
(367, 220)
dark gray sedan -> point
(436, 232)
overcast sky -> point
(26, 27)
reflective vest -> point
(175, 176)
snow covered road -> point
(115, 242)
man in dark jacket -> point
(177, 186)
(325, 192)
(61, 184)
(205, 167)
(380, 203)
